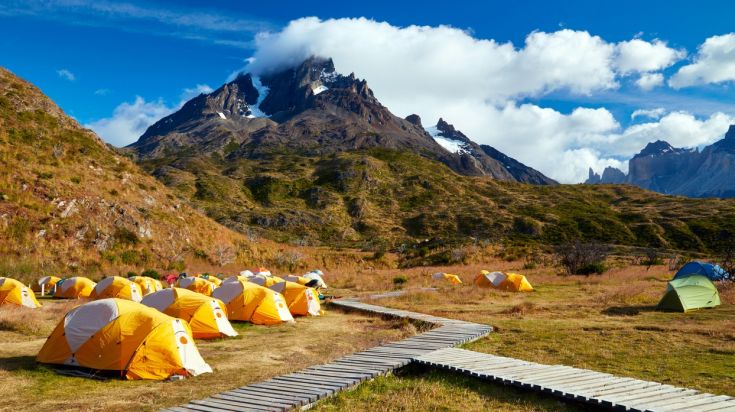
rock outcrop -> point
(666, 169)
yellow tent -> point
(207, 316)
(236, 279)
(453, 279)
(214, 279)
(297, 279)
(265, 281)
(48, 283)
(300, 299)
(250, 302)
(117, 287)
(200, 285)
(147, 285)
(123, 336)
(503, 281)
(12, 292)
(74, 288)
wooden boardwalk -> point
(435, 348)
(303, 388)
(594, 388)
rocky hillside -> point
(69, 203)
(456, 142)
(310, 110)
(663, 168)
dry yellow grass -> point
(607, 322)
(259, 353)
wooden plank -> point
(724, 405)
(217, 407)
(224, 405)
(705, 399)
(235, 397)
(299, 399)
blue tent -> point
(712, 272)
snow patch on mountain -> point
(319, 89)
(262, 93)
(450, 145)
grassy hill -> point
(380, 199)
(70, 203)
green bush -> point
(131, 274)
(130, 257)
(596, 268)
(400, 280)
(151, 273)
(126, 237)
(76, 179)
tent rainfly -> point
(689, 293)
(124, 337)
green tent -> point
(690, 293)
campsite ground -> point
(258, 353)
(604, 322)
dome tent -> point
(147, 285)
(710, 271)
(301, 300)
(47, 283)
(117, 287)
(207, 316)
(126, 337)
(249, 302)
(512, 282)
(265, 281)
(74, 288)
(195, 284)
(214, 279)
(316, 276)
(453, 279)
(689, 293)
(12, 292)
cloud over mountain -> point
(483, 86)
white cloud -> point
(638, 56)
(476, 83)
(66, 74)
(650, 113)
(714, 63)
(129, 121)
(421, 60)
(680, 129)
(648, 81)
(102, 92)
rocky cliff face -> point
(312, 110)
(663, 168)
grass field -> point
(258, 353)
(606, 323)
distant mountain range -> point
(666, 169)
(309, 156)
(314, 110)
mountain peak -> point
(657, 148)
(730, 135)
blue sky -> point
(93, 56)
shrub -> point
(579, 258)
(130, 257)
(76, 179)
(400, 280)
(151, 273)
(126, 237)
(131, 274)
(652, 256)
